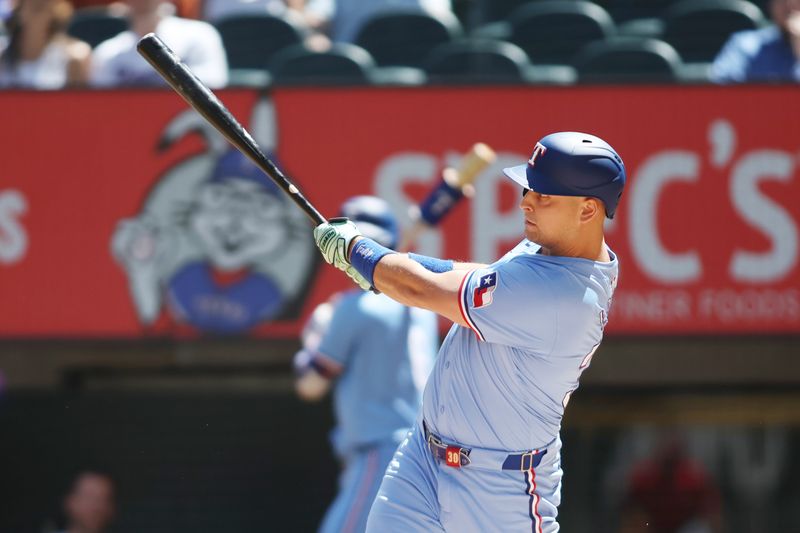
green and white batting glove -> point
(333, 239)
(360, 280)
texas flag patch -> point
(482, 295)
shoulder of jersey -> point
(121, 42)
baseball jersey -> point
(383, 352)
(534, 323)
(115, 62)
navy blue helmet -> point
(374, 219)
(569, 163)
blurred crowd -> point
(54, 44)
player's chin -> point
(531, 231)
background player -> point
(377, 354)
(486, 454)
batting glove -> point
(333, 239)
(360, 280)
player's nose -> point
(525, 202)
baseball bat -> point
(454, 185)
(205, 102)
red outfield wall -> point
(106, 197)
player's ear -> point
(590, 208)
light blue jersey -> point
(382, 352)
(535, 321)
(495, 400)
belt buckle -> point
(434, 442)
(529, 456)
(533, 459)
(454, 456)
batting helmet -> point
(374, 219)
(568, 163)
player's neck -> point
(594, 250)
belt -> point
(458, 456)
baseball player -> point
(485, 453)
(377, 354)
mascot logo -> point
(217, 245)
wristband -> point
(431, 263)
(365, 256)
(439, 202)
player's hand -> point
(360, 280)
(333, 239)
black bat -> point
(205, 102)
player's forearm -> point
(408, 282)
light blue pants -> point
(358, 484)
(421, 494)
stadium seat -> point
(495, 10)
(553, 31)
(623, 11)
(477, 61)
(343, 63)
(628, 60)
(406, 38)
(252, 40)
(698, 28)
(95, 25)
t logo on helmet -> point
(538, 150)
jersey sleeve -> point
(340, 335)
(100, 71)
(731, 63)
(207, 56)
(510, 303)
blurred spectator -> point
(767, 54)
(90, 504)
(38, 53)
(341, 20)
(115, 62)
(669, 493)
(184, 8)
(214, 10)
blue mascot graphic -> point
(217, 244)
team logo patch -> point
(482, 295)
(538, 151)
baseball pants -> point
(358, 484)
(420, 493)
